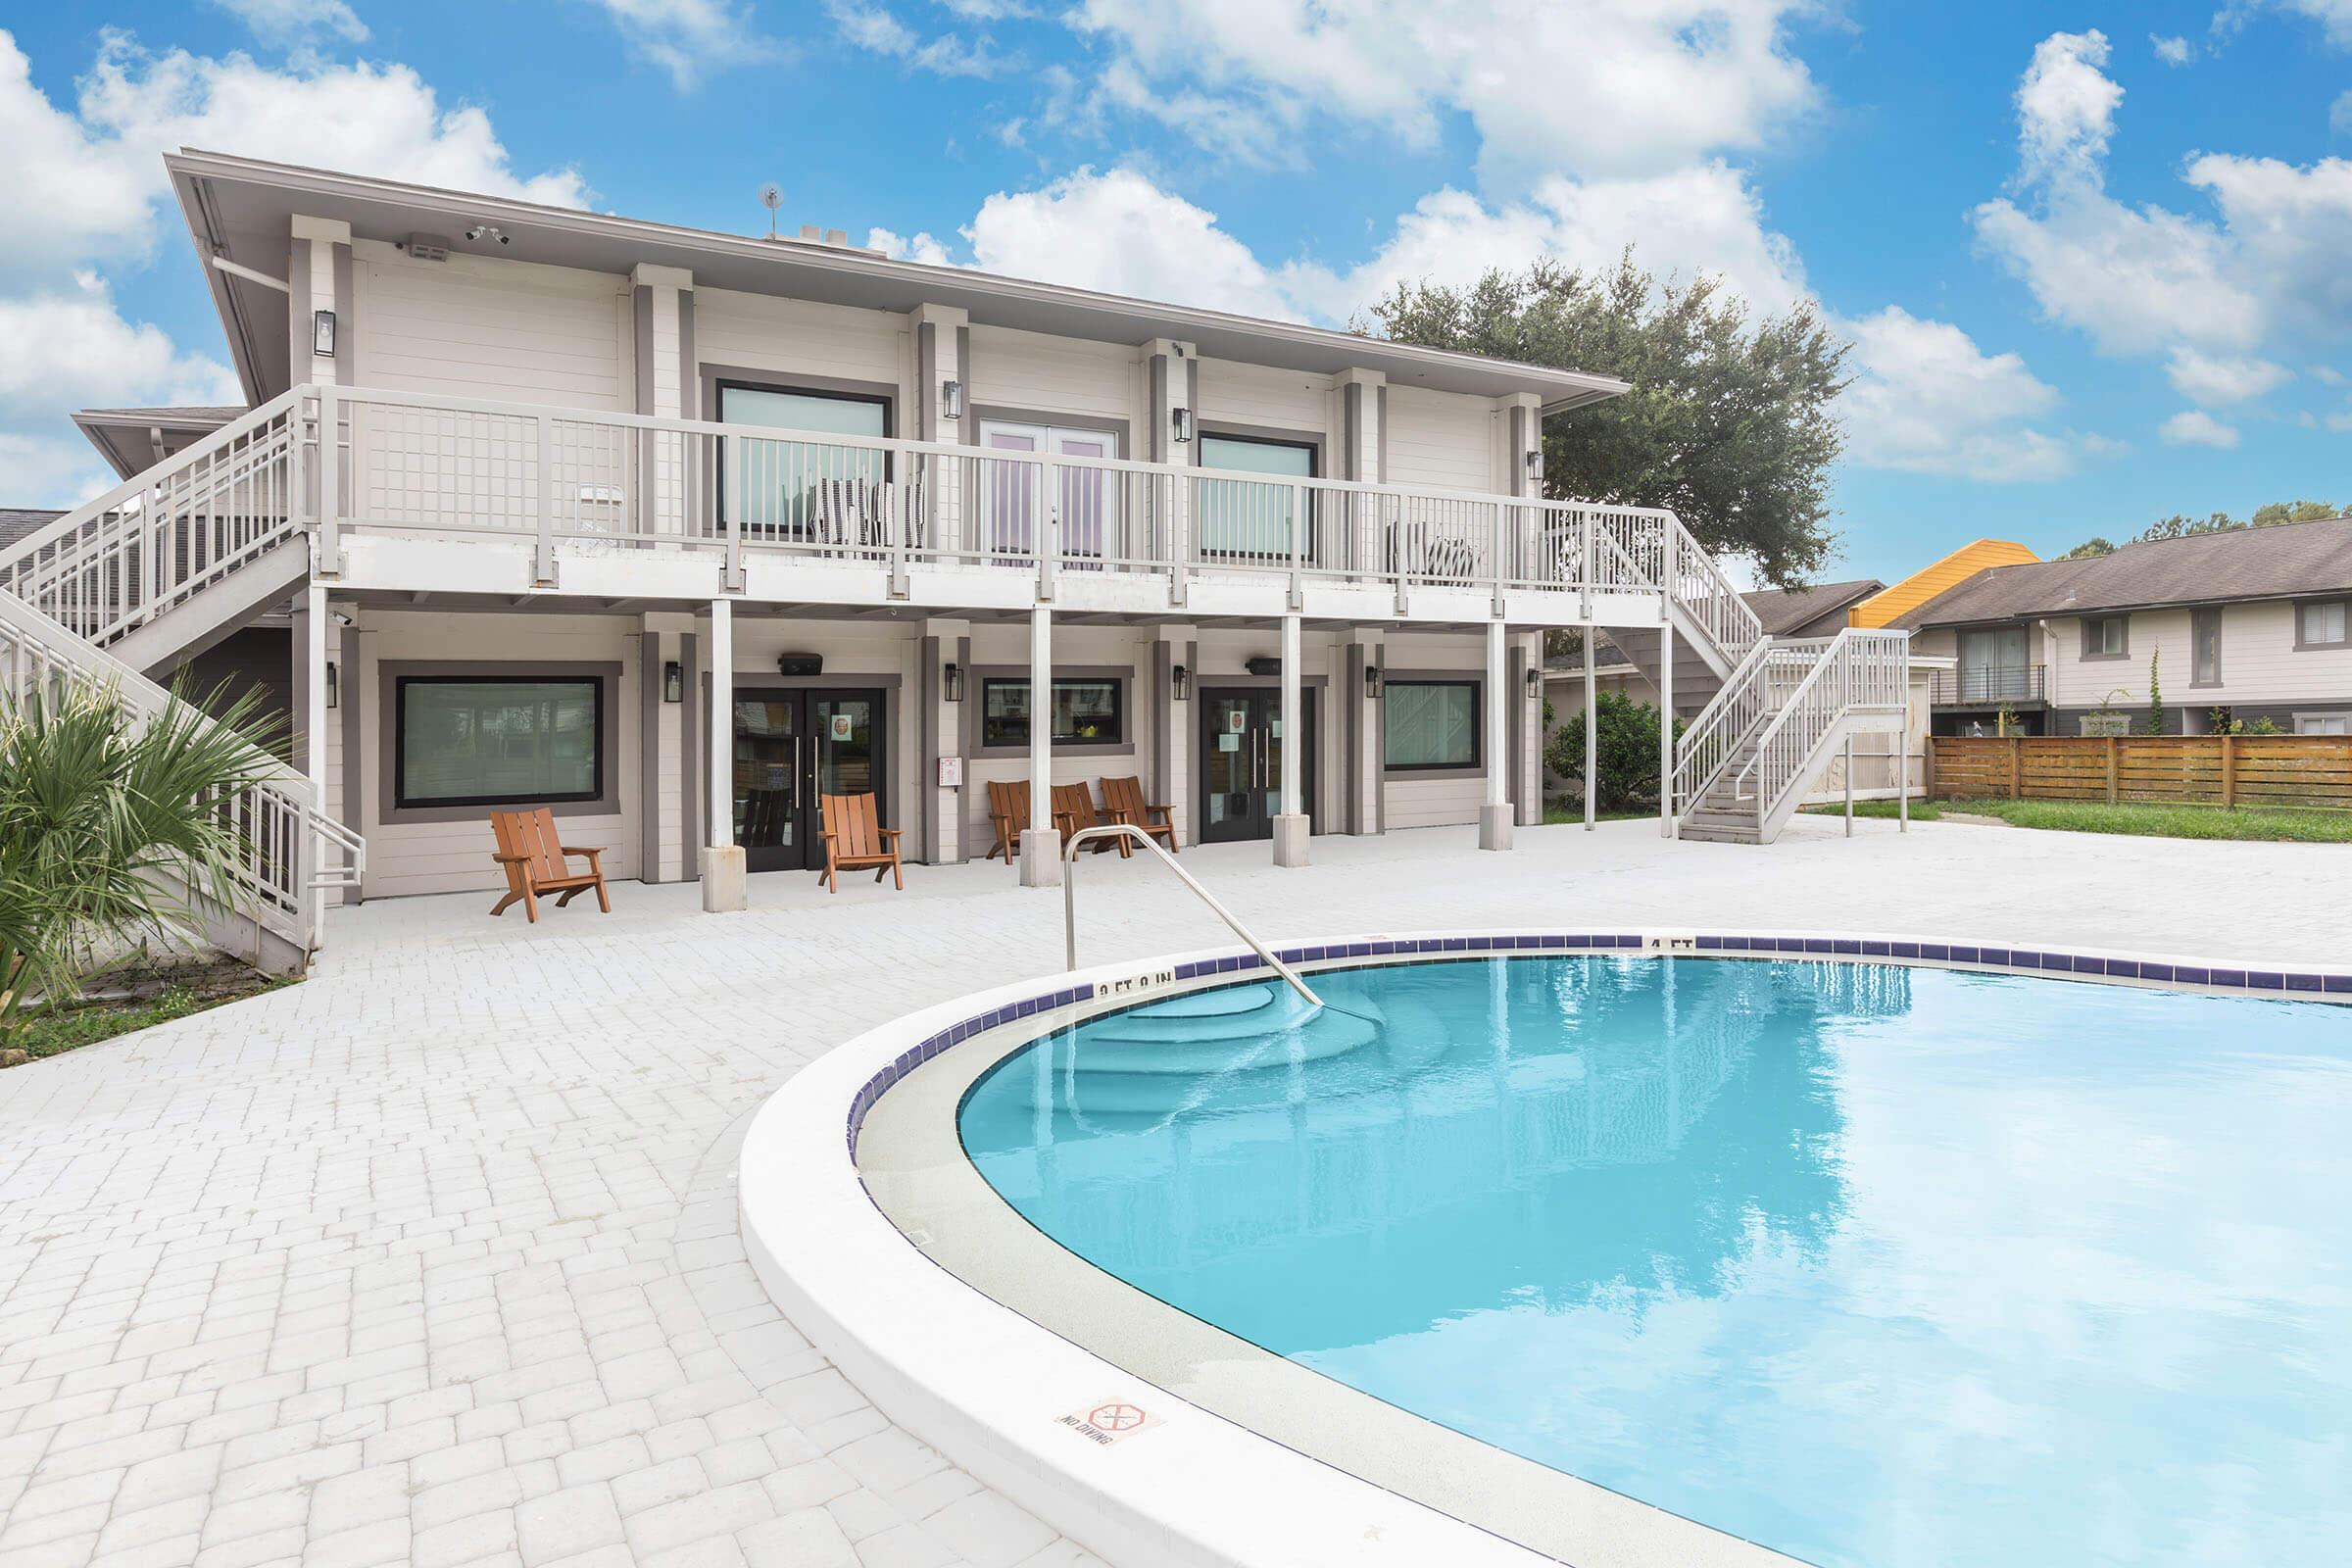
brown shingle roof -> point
(2275, 562)
(1784, 609)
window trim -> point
(397, 717)
(1122, 676)
(1476, 767)
(387, 726)
(2084, 648)
(2296, 719)
(2197, 615)
(1309, 441)
(717, 380)
(2302, 646)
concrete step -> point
(1719, 833)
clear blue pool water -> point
(1871, 1265)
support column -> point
(661, 312)
(311, 647)
(1849, 784)
(942, 332)
(1592, 734)
(1665, 729)
(1041, 845)
(1290, 823)
(722, 857)
(1495, 816)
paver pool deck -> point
(433, 1257)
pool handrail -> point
(1128, 830)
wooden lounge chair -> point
(534, 858)
(1074, 810)
(1007, 814)
(1123, 799)
(855, 839)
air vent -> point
(426, 247)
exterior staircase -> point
(148, 576)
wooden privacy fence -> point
(2305, 770)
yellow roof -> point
(1880, 608)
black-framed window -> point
(777, 479)
(1252, 516)
(497, 740)
(1088, 710)
(1430, 725)
(2106, 636)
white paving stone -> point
(432, 1258)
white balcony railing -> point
(407, 462)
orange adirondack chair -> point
(534, 858)
(1123, 799)
(1074, 810)
(1008, 814)
(855, 839)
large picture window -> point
(1088, 710)
(795, 488)
(1251, 518)
(1430, 725)
(465, 740)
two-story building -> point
(2240, 628)
(677, 531)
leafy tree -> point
(1728, 421)
(2279, 511)
(2180, 526)
(1626, 754)
(2096, 545)
(101, 816)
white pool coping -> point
(1001, 1392)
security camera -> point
(478, 231)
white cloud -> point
(874, 28)
(2066, 106)
(2172, 51)
(691, 38)
(1588, 87)
(82, 186)
(2334, 15)
(1924, 399)
(2212, 381)
(2195, 427)
(297, 21)
(922, 248)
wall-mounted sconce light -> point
(950, 400)
(1534, 464)
(322, 334)
(334, 698)
(954, 683)
(1180, 683)
(1181, 424)
(673, 681)
(1371, 680)
(1535, 684)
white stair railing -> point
(1860, 673)
(291, 850)
(1709, 599)
(115, 563)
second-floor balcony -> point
(1989, 686)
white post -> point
(1591, 733)
(1291, 824)
(723, 890)
(1666, 728)
(1849, 784)
(1041, 845)
(1494, 817)
(1902, 773)
(314, 751)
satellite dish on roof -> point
(771, 196)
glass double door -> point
(792, 747)
(1241, 761)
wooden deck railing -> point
(2234, 771)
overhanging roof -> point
(133, 440)
(241, 208)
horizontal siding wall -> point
(404, 858)
(507, 332)
(1419, 800)
(1046, 375)
(785, 337)
(2260, 664)
(1440, 440)
(1232, 393)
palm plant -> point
(113, 829)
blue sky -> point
(2088, 254)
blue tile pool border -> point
(2281, 983)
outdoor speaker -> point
(1264, 667)
(799, 663)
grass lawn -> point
(2133, 818)
(1573, 812)
(179, 995)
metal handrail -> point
(1128, 830)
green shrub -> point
(1627, 753)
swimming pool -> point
(1866, 1263)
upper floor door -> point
(1092, 517)
(1993, 665)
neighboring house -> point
(2242, 626)
(675, 531)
